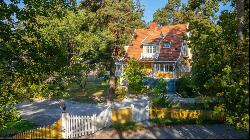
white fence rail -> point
(104, 119)
(140, 113)
(76, 126)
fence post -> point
(64, 124)
(133, 112)
(147, 111)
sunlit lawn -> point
(95, 92)
(16, 127)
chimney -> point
(152, 25)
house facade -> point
(162, 50)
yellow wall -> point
(183, 114)
(49, 132)
(148, 67)
(123, 115)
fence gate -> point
(76, 126)
(140, 113)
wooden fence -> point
(70, 126)
(122, 115)
(77, 126)
(48, 132)
(184, 114)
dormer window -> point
(166, 44)
(150, 48)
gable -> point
(173, 34)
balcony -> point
(149, 55)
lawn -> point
(16, 127)
(96, 92)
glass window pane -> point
(154, 49)
(166, 44)
(171, 68)
(162, 67)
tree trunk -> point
(112, 80)
(239, 31)
(240, 20)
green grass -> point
(126, 126)
(16, 127)
(95, 92)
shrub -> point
(185, 87)
(134, 74)
(120, 93)
(160, 102)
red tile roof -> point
(173, 34)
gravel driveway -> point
(46, 112)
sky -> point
(152, 5)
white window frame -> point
(166, 67)
(150, 49)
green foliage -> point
(134, 74)
(185, 87)
(220, 66)
(126, 126)
(120, 93)
(52, 44)
(173, 13)
(17, 127)
(160, 102)
(159, 88)
(158, 92)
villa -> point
(163, 50)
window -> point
(150, 49)
(166, 44)
(164, 67)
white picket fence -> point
(76, 126)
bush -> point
(160, 87)
(120, 93)
(16, 127)
(134, 74)
(185, 87)
(160, 102)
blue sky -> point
(152, 5)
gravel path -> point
(46, 112)
(217, 131)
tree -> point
(171, 14)
(220, 66)
(120, 18)
(25, 58)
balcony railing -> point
(149, 55)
